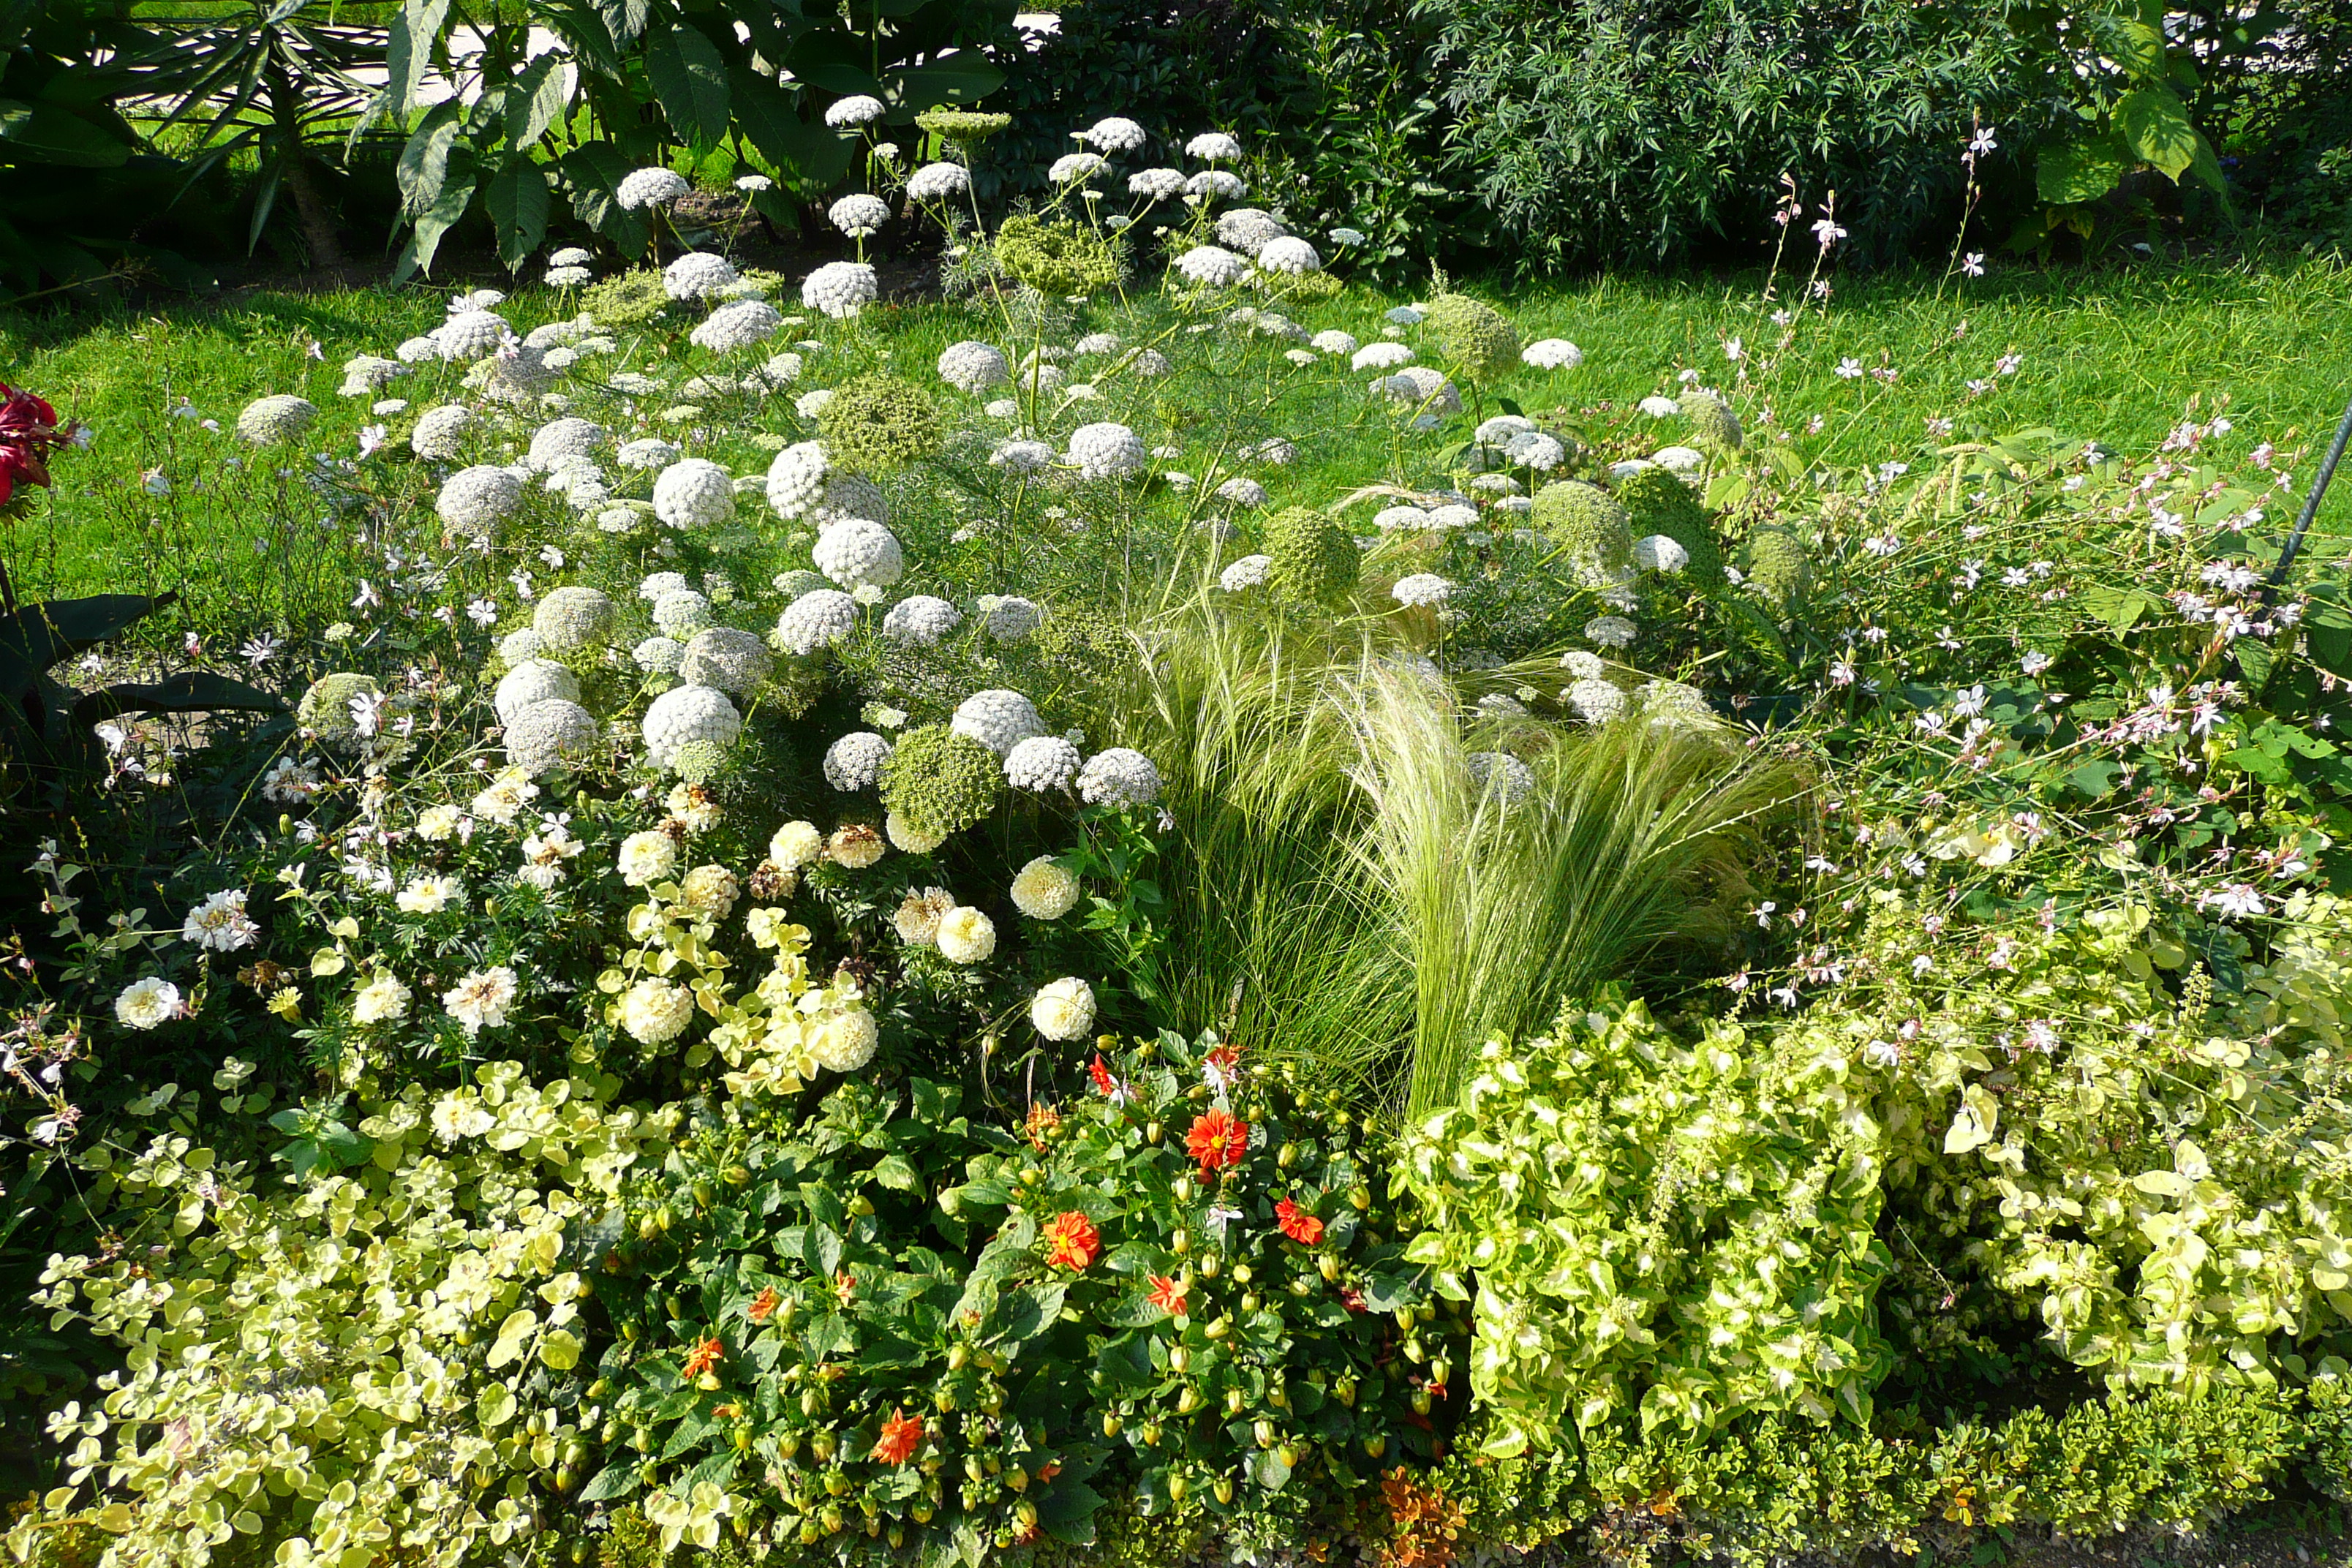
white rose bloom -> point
(965, 936)
(998, 719)
(859, 215)
(840, 289)
(644, 188)
(921, 620)
(1118, 776)
(1042, 763)
(855, 552)
(693, 493)
(685, 715)
(147, 1004)
(1044, 890)
(855, 761)
(973, 368)
(1064, 1010)
(1552, 353)
(1106, 450)
(816, 620)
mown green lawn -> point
(2118, 354)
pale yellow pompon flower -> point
(381, 1001)
(1045, 891)
(795, 845)
(965, 935)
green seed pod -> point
(1779, 566)
(1476, 338)
(1593, 531)
(1713, 424)
(1314, 560)
(1657, 502)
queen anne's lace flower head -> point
(840, 289)
(573, 617)
(1042, 763)
(1072, 168)
(520, 645)
(1249, 229)
(646, 454)
(1611, 631)
(698, 274)
(973, 368)
(1552, 353)
(539, 680)
(728, 658)
(1382, 356)
(1212, 267)
(1106, 450)
(1422, 589)
(1022, 457)
(1214, 147)
(547, 734)
(693, 493)
(440, 433)
(847, 495)
(816, 620)
(856, 551)
(1157, 184)
(643, 188)
(267, 421)
(859, 214)
(939, 181)
(1118, 776)
(681, 613)
(737, 325)
(1242, 492)
(1658, 552)
(998, 719)
(1246, 573)
(1658, 408)
(1535, 449)
(365, 374)
(1114, 134)
(471, 334)
(855, 761)
(474, 501)
(658, 655)
(1504, 775)
(1011, 618)
(858, 109)
(690, 715)
(1216, 185)
(796, 479)
(1288, 253)
(568, 436)
(921, 620)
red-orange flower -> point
(1072, 1241)
(705, 1357)
(901, 1434)
(844, 1286)
(1168, 1295)
(1218, 1138)
(763, 1307)
(1106, 1083)
(1043, 1121)
(1298, 1224)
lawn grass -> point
(2117, 355)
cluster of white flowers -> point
(644, 188)
(973, 368)
(1118, 776)
(270, 421)
(855, 761)
(1106, 450)
(859, 215)
(998, 719)
(856, 552)
(815, 620)
(939, 183)
(1042, 763)
(737, 325)
(921, 620)
(685, 715)
(840, 289)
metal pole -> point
(2311, 501)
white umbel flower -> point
(681, 613)
(1333, 343)
(921, 620)
(908, 837)
(728, 658)
(1681, 460)
(658, 655)
(816, 620)
(698, 274)
(1012, 617)
(1042, 763)
(855, 761)
(840, 289)
(1611, 631)
(1064, 1010)
(268, 421)
(1657, 553)
(855, 553)
(1290, 255)
(1243, 492)
(440, 433)
(1118, 776)
(474, 501)
(939, 183)
(998, 719)
(547, 734)
(1022, 457)
(417, 351)
(470, 335)
(1044, 889)
(693, 493)
(1661, 407)
(1212, 267)
(796, 479)
(1114, 134)
(1552, 353)
(1382, 355)
(737, 325)
(1595, 701)
(1504, 775)
(847, 496)
(1072, 168)
(1214, 147)
(1401, 520)
(859, 214)
(685, 715)
(973, 368)
(1106, 450)
(573, 617)
(648, 454)
(643, 188)
(521, 645)
(1217, 183)
(1246, 573)
(1249, 229)
(858, 109)
(365, 374)
(541, 680)
(565, 437)
(1157, 184)
(1422, 589)
(1535, 449)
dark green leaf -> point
(517, 199)
(2079, 170)
(690, 77)
(536, 100)
(190, 691)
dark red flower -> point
(28, 433)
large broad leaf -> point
(2155, 123)
(2131, 43)
(814, 152)
(2079, 170)
(962, 78)
(47, 132)
(192, 691)
(517, 199)
(416, 28)
(536, 100)
(425, 160)
(690, 77)
(37, 636)
(448, 209)
(591, 181)
(624, 19)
